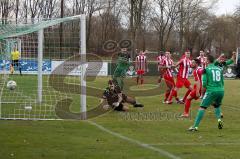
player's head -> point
(195, 63)
(187, 54)
(111, 85)
(168, 54)
(141, 52)
(210, 59)
(202, 53)
(222, 58)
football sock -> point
(172, 94)
(218, 113)
(187, 93)
(137, 80)
(199, 117)
(142, 81)
(166, 95)
(187, 106)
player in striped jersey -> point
(160, 59)
(197, 89)
(141, 66)
(167, 64)
(182, 78)
(203, 59)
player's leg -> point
(138, 76)
(187, 84)
(207, 100)
(118, 77)
(11, 68)
(187, 106)
(179, 84)
(132, 101)
(121, 107)
(141, 77)
(217, 106)
(19, 67)
(168, 90)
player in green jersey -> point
(212, 80)
(222, 62)
(123, 63)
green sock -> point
(199, 117)
(218, 113)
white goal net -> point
(45, 59)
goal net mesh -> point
(61, 64)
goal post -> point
(84, 67)
(40, 61)
(44, 47)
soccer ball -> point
(11, 85)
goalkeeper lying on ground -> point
(116, 99)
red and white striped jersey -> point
(184, 67)
(141, 62)
(197, 73)
(168, 63)
(160, 60)
(203, 61)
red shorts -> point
(193, 94)
(182, 82)
(169, 80)
(140, 72)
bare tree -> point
(6, 6)
(164, 15)
(135, 8)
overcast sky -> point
(226, 6)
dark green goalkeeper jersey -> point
(212, 78)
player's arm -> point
(204, 79)
(120, 98)
(136, 63)
(204, 84)
(104, 100)
(232, 60)
(163, 65)
(177, 64)
(218, 59)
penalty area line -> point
(139, 143)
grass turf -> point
(156, 125)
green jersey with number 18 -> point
(212, 78)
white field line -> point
(232, 108)
(139, 143)
(196, 144)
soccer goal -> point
(52, 52)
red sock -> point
(137, 80)
(166, 96)
(187, 106)
(187, 93)
(173, 93)
(141, 81)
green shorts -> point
(212, 98)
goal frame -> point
(40, 52)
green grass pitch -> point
(149, 133)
